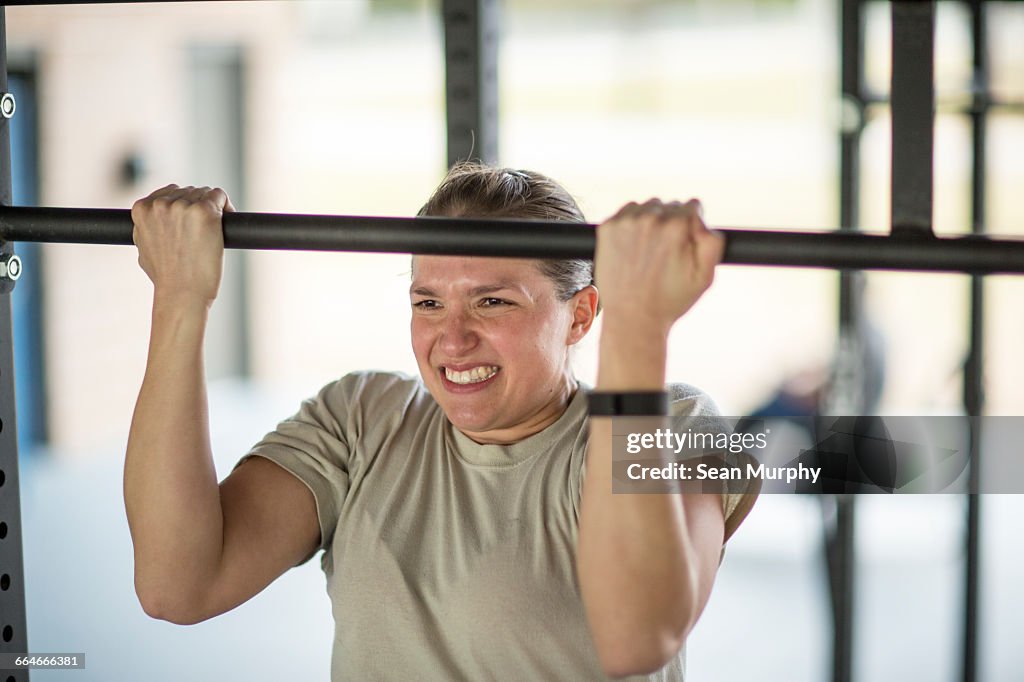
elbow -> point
(639, 655)
(173, 610)
(641, 642)
(177, 616)
(160, 611)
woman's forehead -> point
(435, 272)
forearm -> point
(172, 498)
(636, 584)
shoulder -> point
(372, 388)
(686, 400)
(362, 401)
(701, 410)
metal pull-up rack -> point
(471, 36)
(526, 239)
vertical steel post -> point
(839, 530)
(471, 78)
(913, 112)
(13, 631)
(974, 396)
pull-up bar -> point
(526, 239)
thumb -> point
(710, 248)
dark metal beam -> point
(913, 113)
(471, 79)
(974, 381)
(525, 239)
(840, 546)
(957, 103)
(12, 568)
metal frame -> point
(526, 239)
(913, 112)
(913, 101)
(471, 79)
(839, 527)
(471, 36)
(973, 381)
(13, 624)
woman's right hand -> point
(180, 237)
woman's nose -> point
(458, 334)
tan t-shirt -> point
(446, 559)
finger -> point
(163, 191)
(172, 194)
(626, 209)
(653, 205)
(684, 213)
(682, 221)
(193, 195)
(691, 208)
(710, 248)
(219, 198)
(696, 206)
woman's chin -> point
(472, 422)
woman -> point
(463, 537)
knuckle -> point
(649, 220)
(197, 209)
(626, 210)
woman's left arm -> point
(646, 563)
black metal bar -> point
(471, 79)
(526, 239)
(955, 103)
(913, 106)
(839, 527)
(840, 559)
(974, 387)
(851, 67)
(13, 624)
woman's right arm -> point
(200, 548)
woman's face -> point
(492, 340)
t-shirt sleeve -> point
(315, 445)
(688, 401)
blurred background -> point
(338, 107)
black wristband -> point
(632, 403)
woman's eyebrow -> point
(475, 291)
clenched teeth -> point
(472, 376)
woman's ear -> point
(584, 307)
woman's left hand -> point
(653, 261)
